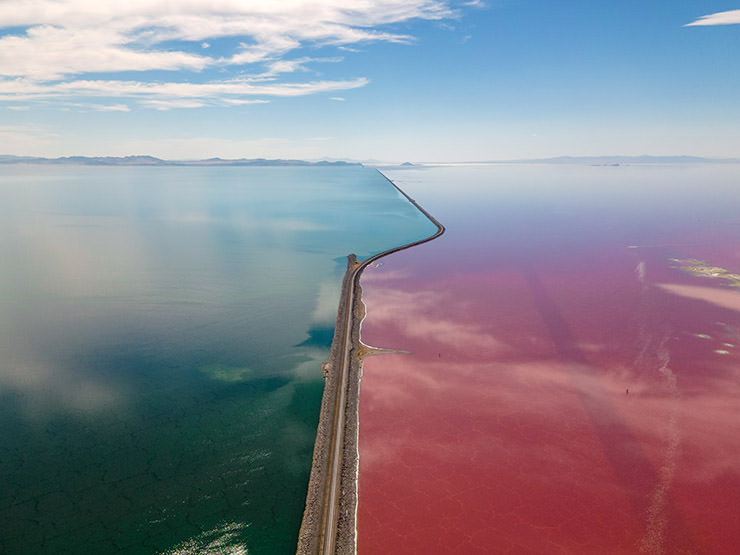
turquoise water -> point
(161, 331)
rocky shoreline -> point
(311, 532)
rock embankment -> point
(331, 503)
(311, 535)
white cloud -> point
(721, 18)
(169, 104)
(291, 66)
(241, 101)
(163, 96)
(99, 107)
(48, 52)
(111, 107)
(63, 43)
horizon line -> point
(150, 160)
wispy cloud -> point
(158, 95)
(720, 18)
(241, 101)
(99, 107)
(111, 107)
(164, 105)
(57, 48)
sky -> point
(385, 80)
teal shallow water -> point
(161, 331)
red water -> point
(565, 391)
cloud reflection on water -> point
(161, 335)
(555, 400)
(519, 421)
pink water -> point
(569, 388)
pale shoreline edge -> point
(312, 537)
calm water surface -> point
(574, 378)
(161, 331)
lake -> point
(573, 368)
(161, 335)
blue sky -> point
(391, 80)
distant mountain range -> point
(152, 161)
(619, 160)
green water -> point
(161, 331)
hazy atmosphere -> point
(392, 80)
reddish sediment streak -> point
(560, 396)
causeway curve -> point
(328, 525)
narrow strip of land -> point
(331, 498)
